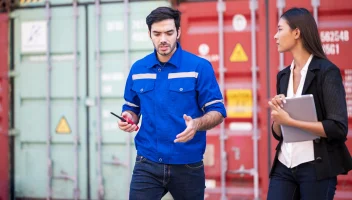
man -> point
(177, 94)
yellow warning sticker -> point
(63, 126)
(239, 103)
(238, 54)
(29, 1)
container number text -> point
(335, 36)
(331, 49)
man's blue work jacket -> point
(186, 84)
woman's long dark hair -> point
(302, 19)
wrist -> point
(290, 122)
(196, 124)
(275, 124)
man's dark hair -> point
(302, 19)
(163, 13)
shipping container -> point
(71, 63)
(237, 38)
(4, 108)
(230, 36)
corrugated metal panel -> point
(4, 132)
(43, 155)
(46, 98)
(200, 35)
(117, 149)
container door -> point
(231, 169)
(112, 51)
(49, 103)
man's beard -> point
(172, 48)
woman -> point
(308, 170)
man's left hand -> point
(189, 132)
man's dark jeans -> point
(299, 183)
(151, 181)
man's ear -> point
(179, 33)
(149, 35)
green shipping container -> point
(71, 63)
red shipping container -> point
(200, 35)
(199, 25)
(4, 156)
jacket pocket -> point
(183, 96)
(145, 91)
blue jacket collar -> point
(174, 60)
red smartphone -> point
(125, 120)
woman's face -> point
(286, 38)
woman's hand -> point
(278, 115)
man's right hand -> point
(125, 126)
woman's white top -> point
(296, 153)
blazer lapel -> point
(284, 82)
(310, 74)
(309, 78)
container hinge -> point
(255, 68)
(224, 160)
(315, 3)
(14, 132)
(281, 4)
(90, 102)
(242, 171)
(253, 5)
(221, 7)
(13, 73)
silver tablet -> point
(300, 108)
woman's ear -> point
(297, 33)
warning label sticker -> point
(238, 54)
(239, 103)
(63, 127)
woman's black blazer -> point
(324, 82)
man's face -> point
(164, 37)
